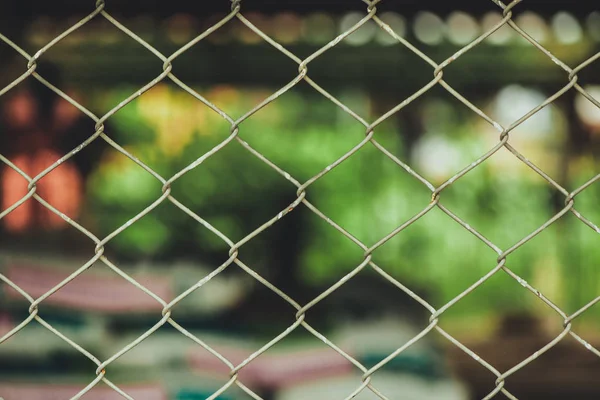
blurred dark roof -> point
(370, 66)
(25, 9)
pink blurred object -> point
(275, 371)
(6, 324)
(61, 392)
(89, 291)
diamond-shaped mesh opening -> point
(317, 142)
(372, 299)
(368, 201)
(251, 54)
(518, 194)
(104, 42)
(409, 259)
(370, 74)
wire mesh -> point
(302, 198)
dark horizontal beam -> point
(25, 9)
(372, 67)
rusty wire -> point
(571, 82)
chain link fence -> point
(303, 193)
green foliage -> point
(368, 195)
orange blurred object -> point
(14, 188)
(61, 187)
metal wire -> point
(302, 193)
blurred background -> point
(302, 132)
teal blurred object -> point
(192, 394)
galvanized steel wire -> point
(101, 10)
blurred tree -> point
(367, 195)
